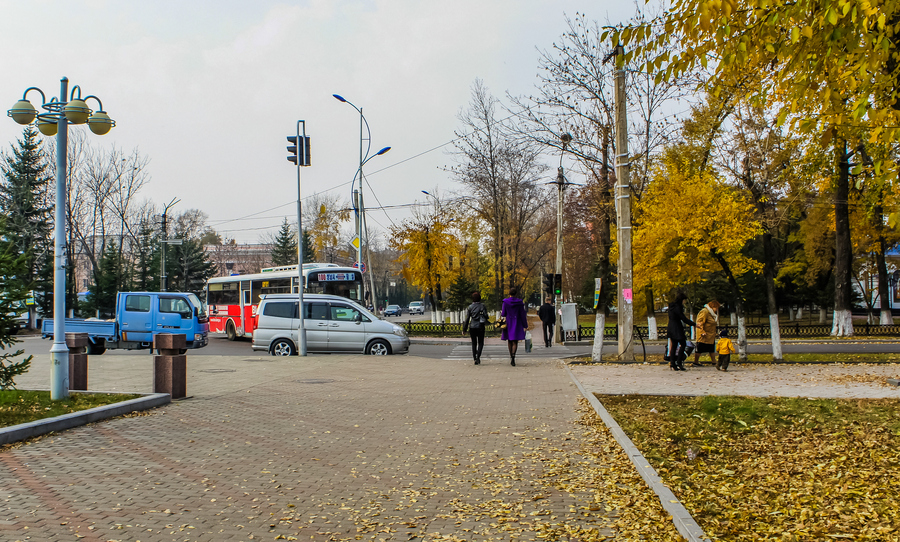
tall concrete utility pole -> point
(558, 335)
(623, 219)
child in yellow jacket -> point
(724, 349)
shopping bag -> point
(527, 341)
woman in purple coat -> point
(513, 309)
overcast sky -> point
(209, 90)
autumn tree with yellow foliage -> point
(689, 224)
(831, 67)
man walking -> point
(547, 314)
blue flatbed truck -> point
(139, 317)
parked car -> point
(393, 310)
(416, 307)
(333, 324)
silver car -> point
(333, 324)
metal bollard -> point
(78, 360)
(170, 366)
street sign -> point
(598, 284)
(355, 243)
(361, 266)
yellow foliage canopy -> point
(683, 220)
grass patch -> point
(805, 357)
(18, 406)
(774, 468)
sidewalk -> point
(316, 448)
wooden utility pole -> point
(623, 218)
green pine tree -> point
(13, 266)
(309, 249)
(25, 191)
(284, 251)
(107, 282)
(188, 267)
(145, 277)
(460, 293)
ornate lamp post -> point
(60, 112)
(365, 140)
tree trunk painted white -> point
(800, 312)
(776, 338)
(790, 314)
(652, 330)
(693, 329)
(733, 318)
(599, 326)
(742, 339)
(842, 323)
(887, 318)
(823, 314)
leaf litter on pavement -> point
(787, 469)
(574, 485)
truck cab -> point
(139, 317)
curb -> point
(894, 381)
(684, 522)
(23, 431)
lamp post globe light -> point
(60, 112)
(365, 145)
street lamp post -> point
(62, 111)
(365, 141)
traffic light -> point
(557, 284)
(298, 152)
(548, 283)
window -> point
(343, 313)
(176, 305)
(223, 294)
(137, 303)
(316, 311)
(280, 309)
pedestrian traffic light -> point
(557, 284)
(548, 283)
(298, 152)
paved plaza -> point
(323, 448)
(347, 448)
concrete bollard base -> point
(170, 367)
(78, 360)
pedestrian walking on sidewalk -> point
(707, 323)
(513, 312)
(476, 322)
(677, 338)
(547, 314)
(724, 348)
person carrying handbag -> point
(513, 311)
(475, 324)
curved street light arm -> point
(27, 90)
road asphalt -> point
(346, 447)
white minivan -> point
(416, 307)
(333, 324)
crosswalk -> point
(463, 352)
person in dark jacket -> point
(476, 322)
(547, 314)
(677, 338)
(513, 310)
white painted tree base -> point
(842, 324)
(653, 331)
(887, 319)
(742, 338)
(776, 337)
(599, 326)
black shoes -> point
(512, 361)
(477, 361)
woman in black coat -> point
(677, 337)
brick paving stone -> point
(317, 448)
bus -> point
(232, 301)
